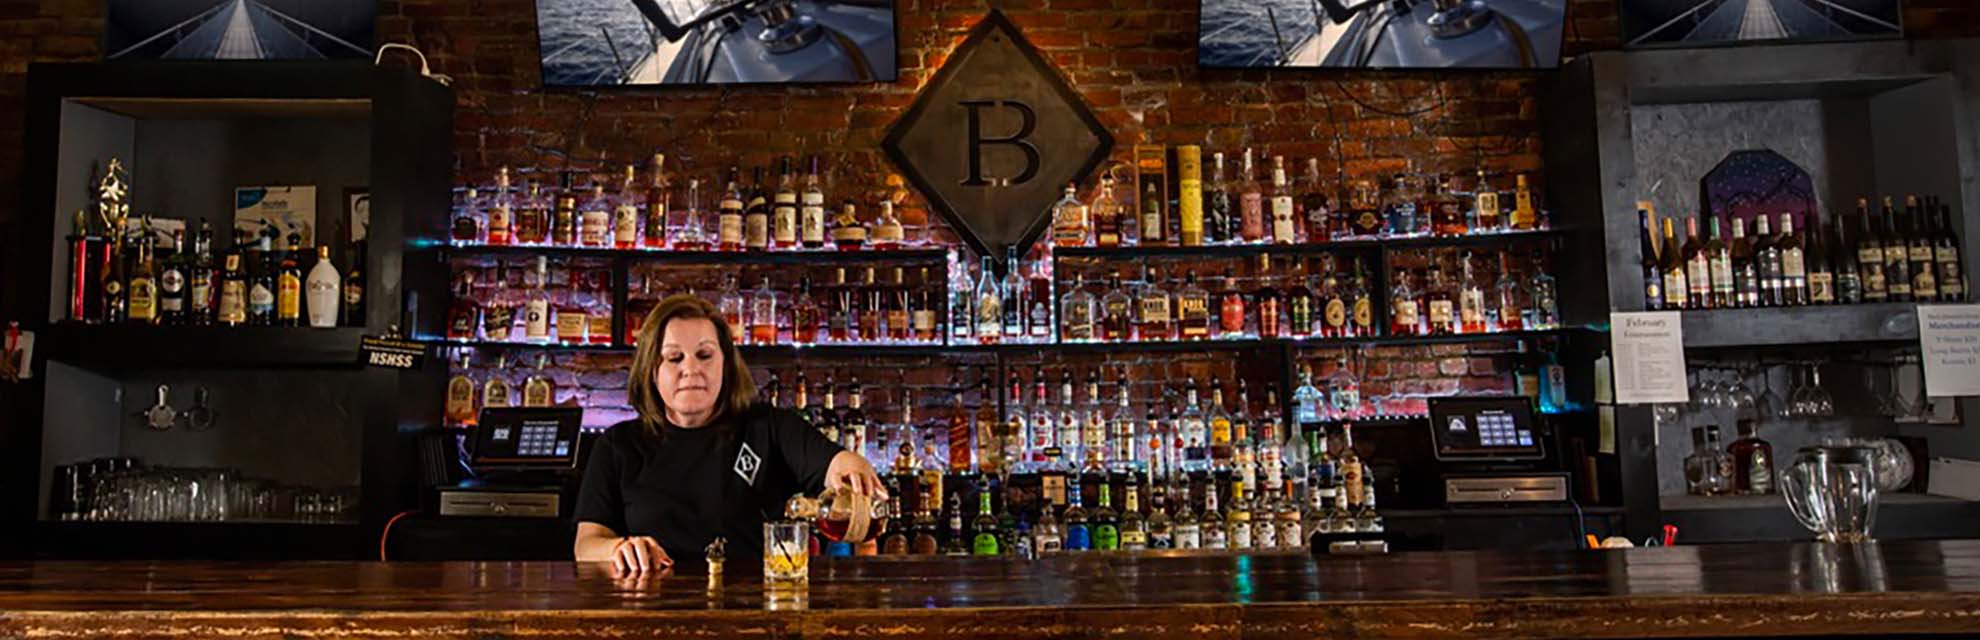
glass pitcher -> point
(1832, 490)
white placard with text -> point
(1949, 341)
(1649, 357)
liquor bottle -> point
(1794, 263)
(467, 227)
(1646, 248)
(1367, 519)
(1677, 277)
(1471, 299)
(1542, 297)
(1106, 215)
(1124, 453)
(841, 322)
(829, 420)
(1161, 530)
(1719, 261)
(1042, 435)
(172, 283)
(1193, 305)
(1924, 267)
(288, 286)
(847, 233)
(1485, 204)
(1193, 429)
(501, 206)
(1285, 227)
(1308, 405)
(1842, 263)
(887, 233)
(1753, 461)
(538, 390)
(984, 541)
(1188, 530)
(232, 310)
(1352, 471)
(1047, 536)
(1219, 212)
(1745, 267)
(989, 305)
(1437, 300)
(322, 290)
(625, 212)
(1267, 445)
(1215, 534)
(1070, 422)
(655, 213)
(142, 305)
(202, 283)
(1509, 309)
(1251, 204)
(1524, 216)
(1447, 210)
(897, 300)
(1079, 533)
(1191, 198)
(1237, 519)
(1326, 496)
(962, 311)
(779, 211)
(1314, 210)
(1116, 312)
(1404, 315)
(1038, 294)
(1153, 321)
(1133, 529)
(1220, 428)
(923, 316)
(1231, 314)
(1767, 260)
(532, 223)
(460, 396)
(1013, 291)
(811, 210)
(1299, 302)
(495, 391)
(1821, 273)
(536, 308)
(1869, 256)
(1361, 306)
(853, 424)
(1401, 205)
(1344, 391)
(1697, 267)
(1332, 301)
(1266, 304)
(1106, 529)
(756, 215)
(353, 298)
(763, 314)
(1364, 209)
(564, 221)
(729, 213)
(925, 541)
(1897, 257)
(894, 541)
(1078, 313)
(1945, 251)
(1070, 224)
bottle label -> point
(1158, 540)
(1078, 538)
(571, 326)
(537, 394)
(1921, 253)
(1214, 536)
(1472, 312)
(1406, 313)
(989, 316)
(1364, 313)
(1240, 536)
(288, 296)
(1155, 309)
(1106, 537)
(1951, 285)
(756, 231)
(1132, 538)
(498, 220)
(813, 222)
(783, 221)
(233, 302)
(731, 229)
(1923, 284)
(625, 225)
(592, 229)
(1282, 220)
(1336, 313)
(261, 300)
(202, 291)
(1291, 535)
(1698, 273)
(1792, 263)
(144, 299)
(1440, 313)
(1188, 536)
(985, 544)
(536, 320)
(1821, 287)
(1674, 288)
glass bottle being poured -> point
(841, 514)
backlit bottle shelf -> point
(923, 348)
(647, 256)
(1344, 245)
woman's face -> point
(690, 373)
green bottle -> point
(986, 541)
(1106, 530)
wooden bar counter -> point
(1923, 587)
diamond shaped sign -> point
(993, 139)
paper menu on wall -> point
(1649, 357)
(290, 210)
(1949, 344)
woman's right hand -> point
(638, 555)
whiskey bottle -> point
(1116, 313)
(1161, 531)
(1361, 306)
(172, 283)
(1767, 261)
(763, 314)
(1285, 227)
(288, 286)
(1107, 218)
(532, 224)
(1152, 204)
(782, 216)
(495, 391)
(1897, 257)
(1543, 301)
(923, 316)
(1485, 204)
(887, 233)
(232, 310)
(1509, 313)
(1404, 314)
(467, 227)
(460, 396)
(1869, 256)
(1077, 313)
(655, 220)
(1719, 261)
(564, 221)
(1266, 304)
(1332, 301)
(1251, 205)
(1447, 211)
(1442, 310)
(811, 210)
(1314, 210)
(1365, 209)
(989, 305)
(1753, 461)
(1299, 302)
(895, 301)
(1191, 199)
(538, 390)
(625, 212)
(1070, 224)
(1794, 263)
(1924, 267)
(1188, 530)
(729, 214)
(323, 291)
(500, 207)
(536, 309)
(1154, 320)
(353, 287)
(1219, 212)
(1231, 316)
(848, 234)
(1646, 249)
(1745, 268)
(1471, 299)
(1525, 217)
(756, 215)
(1697, 267)
(1945, 251)
(142, 307)
(1193, 304)
(1677, 276)
(1821, 272)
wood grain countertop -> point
(1908, 587)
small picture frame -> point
(357, 212)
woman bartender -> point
(703, 460)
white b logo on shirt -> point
(747, 463)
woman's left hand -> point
(849, 471)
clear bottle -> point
(1509, 311)
(1405, 316)
(1471, 300)
(1043, 436)
(1215, 534)
(887, 231)
(1308, 405)
(595, 219)
(1015, 299)
(1117, 312)
(625, 212)
(1125, 454)
(988, 305)
(537, 318)
(1047, 536)
(1285, 226)
(1344, 391)
(1543, 298)
(1221, 429)
(692, 234)
(500, 208)
(1193, 429)
(1070, 421)
(1188, 529)
(734, 307)
(962, 309)
(763, 314)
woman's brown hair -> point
(738, 389)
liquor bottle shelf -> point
(703, 257)
(1355, 244)
(918, 350)
(142, 346)
(1806, 325)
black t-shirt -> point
(691, 485)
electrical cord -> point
(1580, 519)
(386, 534)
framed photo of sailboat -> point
(239, 29)
(1682, 23)
(593, 43)
(1381, 34)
